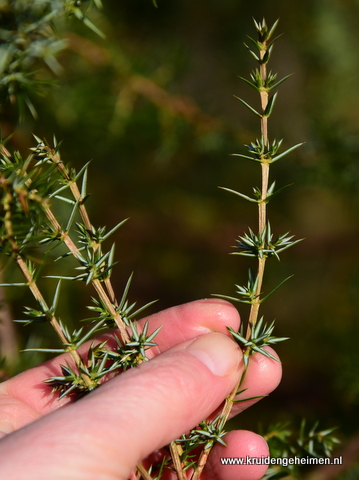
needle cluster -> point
(29, 39)
(302, 442)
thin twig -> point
(175, 450)
(262, 204)
(143, 472)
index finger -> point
(179, 324)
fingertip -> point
(246, 447)
(212, 314)
(266, 371)
(219, 312)
(187, 321)
(263, 376)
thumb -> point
(105, 434)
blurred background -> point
(152, 106)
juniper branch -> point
(46, 154)
(33, 285)
(262, 204)
(261, 245)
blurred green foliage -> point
(152, 105)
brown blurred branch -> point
(130, 86)
(91, 51)
(178, 105)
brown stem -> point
(262, 205)
(110, 291)
(33, 286)
(95, 282)
(201, 463)
(86, 219)
(176, 451)
(144, 473)
(105, 297)
(262, 223)
(52, 319)
(115, 315)
(55, 157)
(222, 419)
(254, 312)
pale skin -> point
(104, 435)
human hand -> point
(105, 434)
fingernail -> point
(219, 353)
